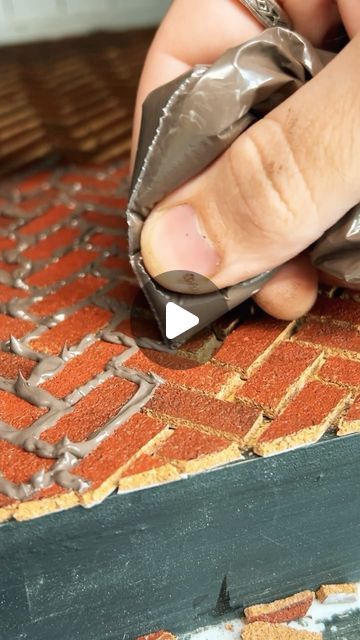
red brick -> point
(82, 368)
(224, 417)
(330, 335)
(17, 412)
(142, 464)
(121, 265)
(140, 327)
(6, 243)
(284, 366)
(68, 295)
(248, 341)
(196, 342)
(124, 292)
(5, 266)
(96, 183)
(34, 182)
(187, 444)
(72, 330)
(5, 501)
(63, 268)
(8, 293)
(310, 407)
(337, 309)
(45, 248)
(11, 365)
(182, 371)
(354, 411)
(106, 241)
(18, 465)
(55, 214)
(93, 411)
(110, 202)
(14, 327)
(342, 371)
(105, 219)
(115, 451)
(5, 221)
(32, 204)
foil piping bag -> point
(190, 121)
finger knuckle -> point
(275, 199)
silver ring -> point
(268, 12)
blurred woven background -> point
(71, 98)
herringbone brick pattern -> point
(83, 411)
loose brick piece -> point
(17, 412)
(147, 470)
(350, 423)
(233, 419)
(337, 593)
(68, 295)
(9, 293)
(249, 341)
(179, 370)
(82, 368)
(284, 610)
(158, 635)
(195, 451)
(11, 365)
(330, 335)
(45, 248)
(304, 420)
(18, 465)
(285, 367)
(269, 631)
(63, 268)
(92, 411)
(71, 330)
(337, 309)
(55, 214)
(14, 327)
(341, 370)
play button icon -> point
(178, 320)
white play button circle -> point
(178, 320)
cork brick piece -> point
(337, 593)
(158, 635)
(262, 630)
(85, 412)
(284, 610)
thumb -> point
(279, 186)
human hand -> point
(283, 182)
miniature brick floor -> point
(84, 412)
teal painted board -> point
(184, 554)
